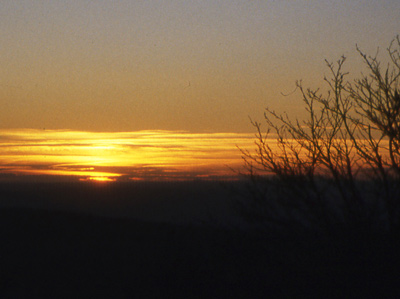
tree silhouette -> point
(340, 166)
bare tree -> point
(342, 164)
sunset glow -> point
(127, 90)
(98, 179)
(151, 155)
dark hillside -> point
(49, 253)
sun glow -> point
(104, 157)
(98, 179)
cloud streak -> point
(141, 155)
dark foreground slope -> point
(53, 253)
(45, 253)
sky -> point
(120, 156)
(106, 70)
(197, 66)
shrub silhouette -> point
(341, 166)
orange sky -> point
(173, 74)
(197, 66)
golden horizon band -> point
(110, 156)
